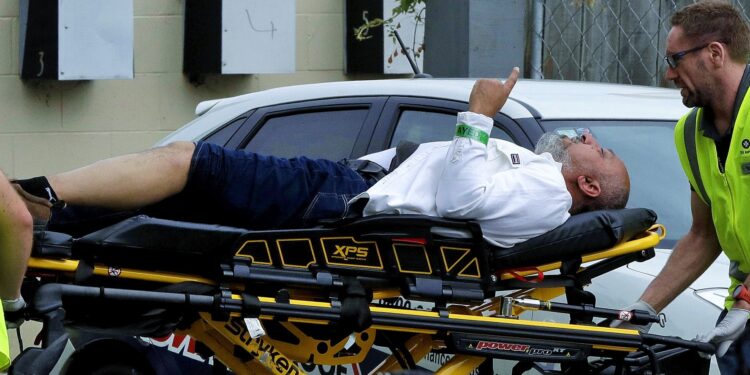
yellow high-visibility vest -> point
(4, 349)
(726, 192)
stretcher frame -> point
(473, 329)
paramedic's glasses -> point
(674, 58)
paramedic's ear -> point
(718, 54)
(589, 186)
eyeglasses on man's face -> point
(675, 58)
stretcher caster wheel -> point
(107, 357)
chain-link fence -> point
(603, 40)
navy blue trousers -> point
(245, 189)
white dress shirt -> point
(513, 193)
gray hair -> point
(615, 188)
(615, 191)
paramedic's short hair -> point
(714, 20)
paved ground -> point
(29, 331)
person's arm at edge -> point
(690, 258)
(16, 226)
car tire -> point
(109, 357)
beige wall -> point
(51, 126)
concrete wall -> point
(475, 38)
(50, 126)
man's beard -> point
(553, 143)
(694, 99)
(697, 97)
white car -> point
(349, 119)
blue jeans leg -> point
(255, 191)
(243, 189)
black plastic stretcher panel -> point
(151, 243)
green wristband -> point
(466, 131)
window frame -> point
(240, 120)
(256, 120)
(386, 128)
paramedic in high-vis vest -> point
(707, 52)
(15, 246)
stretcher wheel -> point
(109, 357)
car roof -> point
(549, 99)
(593, 100)
(543, 99)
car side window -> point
(426, 126)
(222, 136)
(317, 134)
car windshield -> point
(647, 148)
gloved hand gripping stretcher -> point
(313, 292)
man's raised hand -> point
(489, 95)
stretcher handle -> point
(642, 317)
(705, 347)
(639, 317)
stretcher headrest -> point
(580, 234)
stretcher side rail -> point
(420, 255)
(214, 274)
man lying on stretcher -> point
(512, 193)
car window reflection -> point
(320, 135)
(656, 178)
(426, 126)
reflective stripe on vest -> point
(734, 271)
(692, 156)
